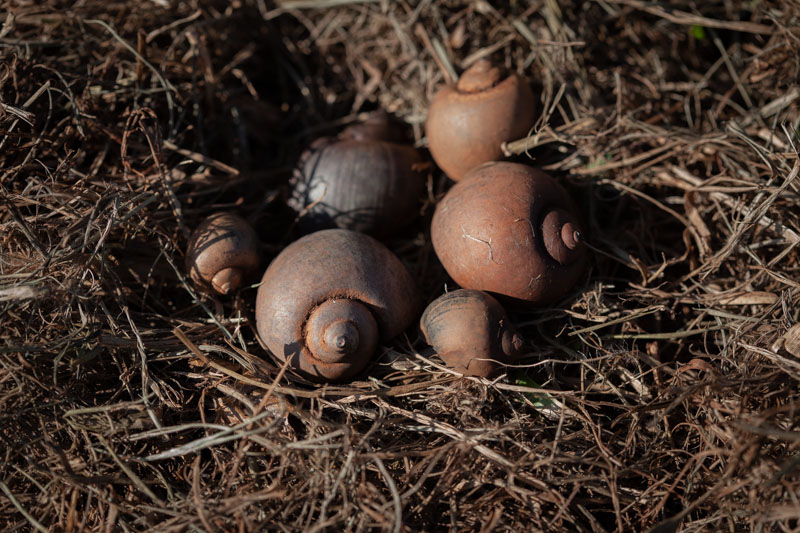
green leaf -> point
(698, 32)
(599, 162)
(539, 402)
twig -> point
(688, 19)
(21, 509)
(696, 184)
(437, 54)
(168, 87)
(398, 506)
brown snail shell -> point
(222, 252)
(468, 122)
(471, 332)
(366, 180)
(510, 230)
(327, 300)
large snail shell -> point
(365, 181)
(468, 122)
(222, 252)
(327, 300)
(509, 229)
(471, 332)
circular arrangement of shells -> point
(506, 233)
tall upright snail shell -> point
(222, 252)
(468, 122)
(367, 180)
(510, 230)
(329, 298)
(471, 332)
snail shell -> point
(222, 252)
(468, 122)
(510, 229)
(366, 180)
(328, 299)
(471, 332)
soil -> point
(661, 394)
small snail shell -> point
(366, 180)
(467, 123)
(509, 229)
(471, 332)
(222, 252)
(327, 300)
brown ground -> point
(661, 392)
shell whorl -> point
(562, 236)
(227, 280)
(341, 331)
(479, 77)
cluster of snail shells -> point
(323, 304)
(503, 228)
(328, 299)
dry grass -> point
(660, 393)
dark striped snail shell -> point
(471, 332)
(365, 180)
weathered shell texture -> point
(471, 332)
(222, 252)
(492, 232)
(467, 123)
(364, 181)
(332, 266)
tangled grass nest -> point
(662, 393)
